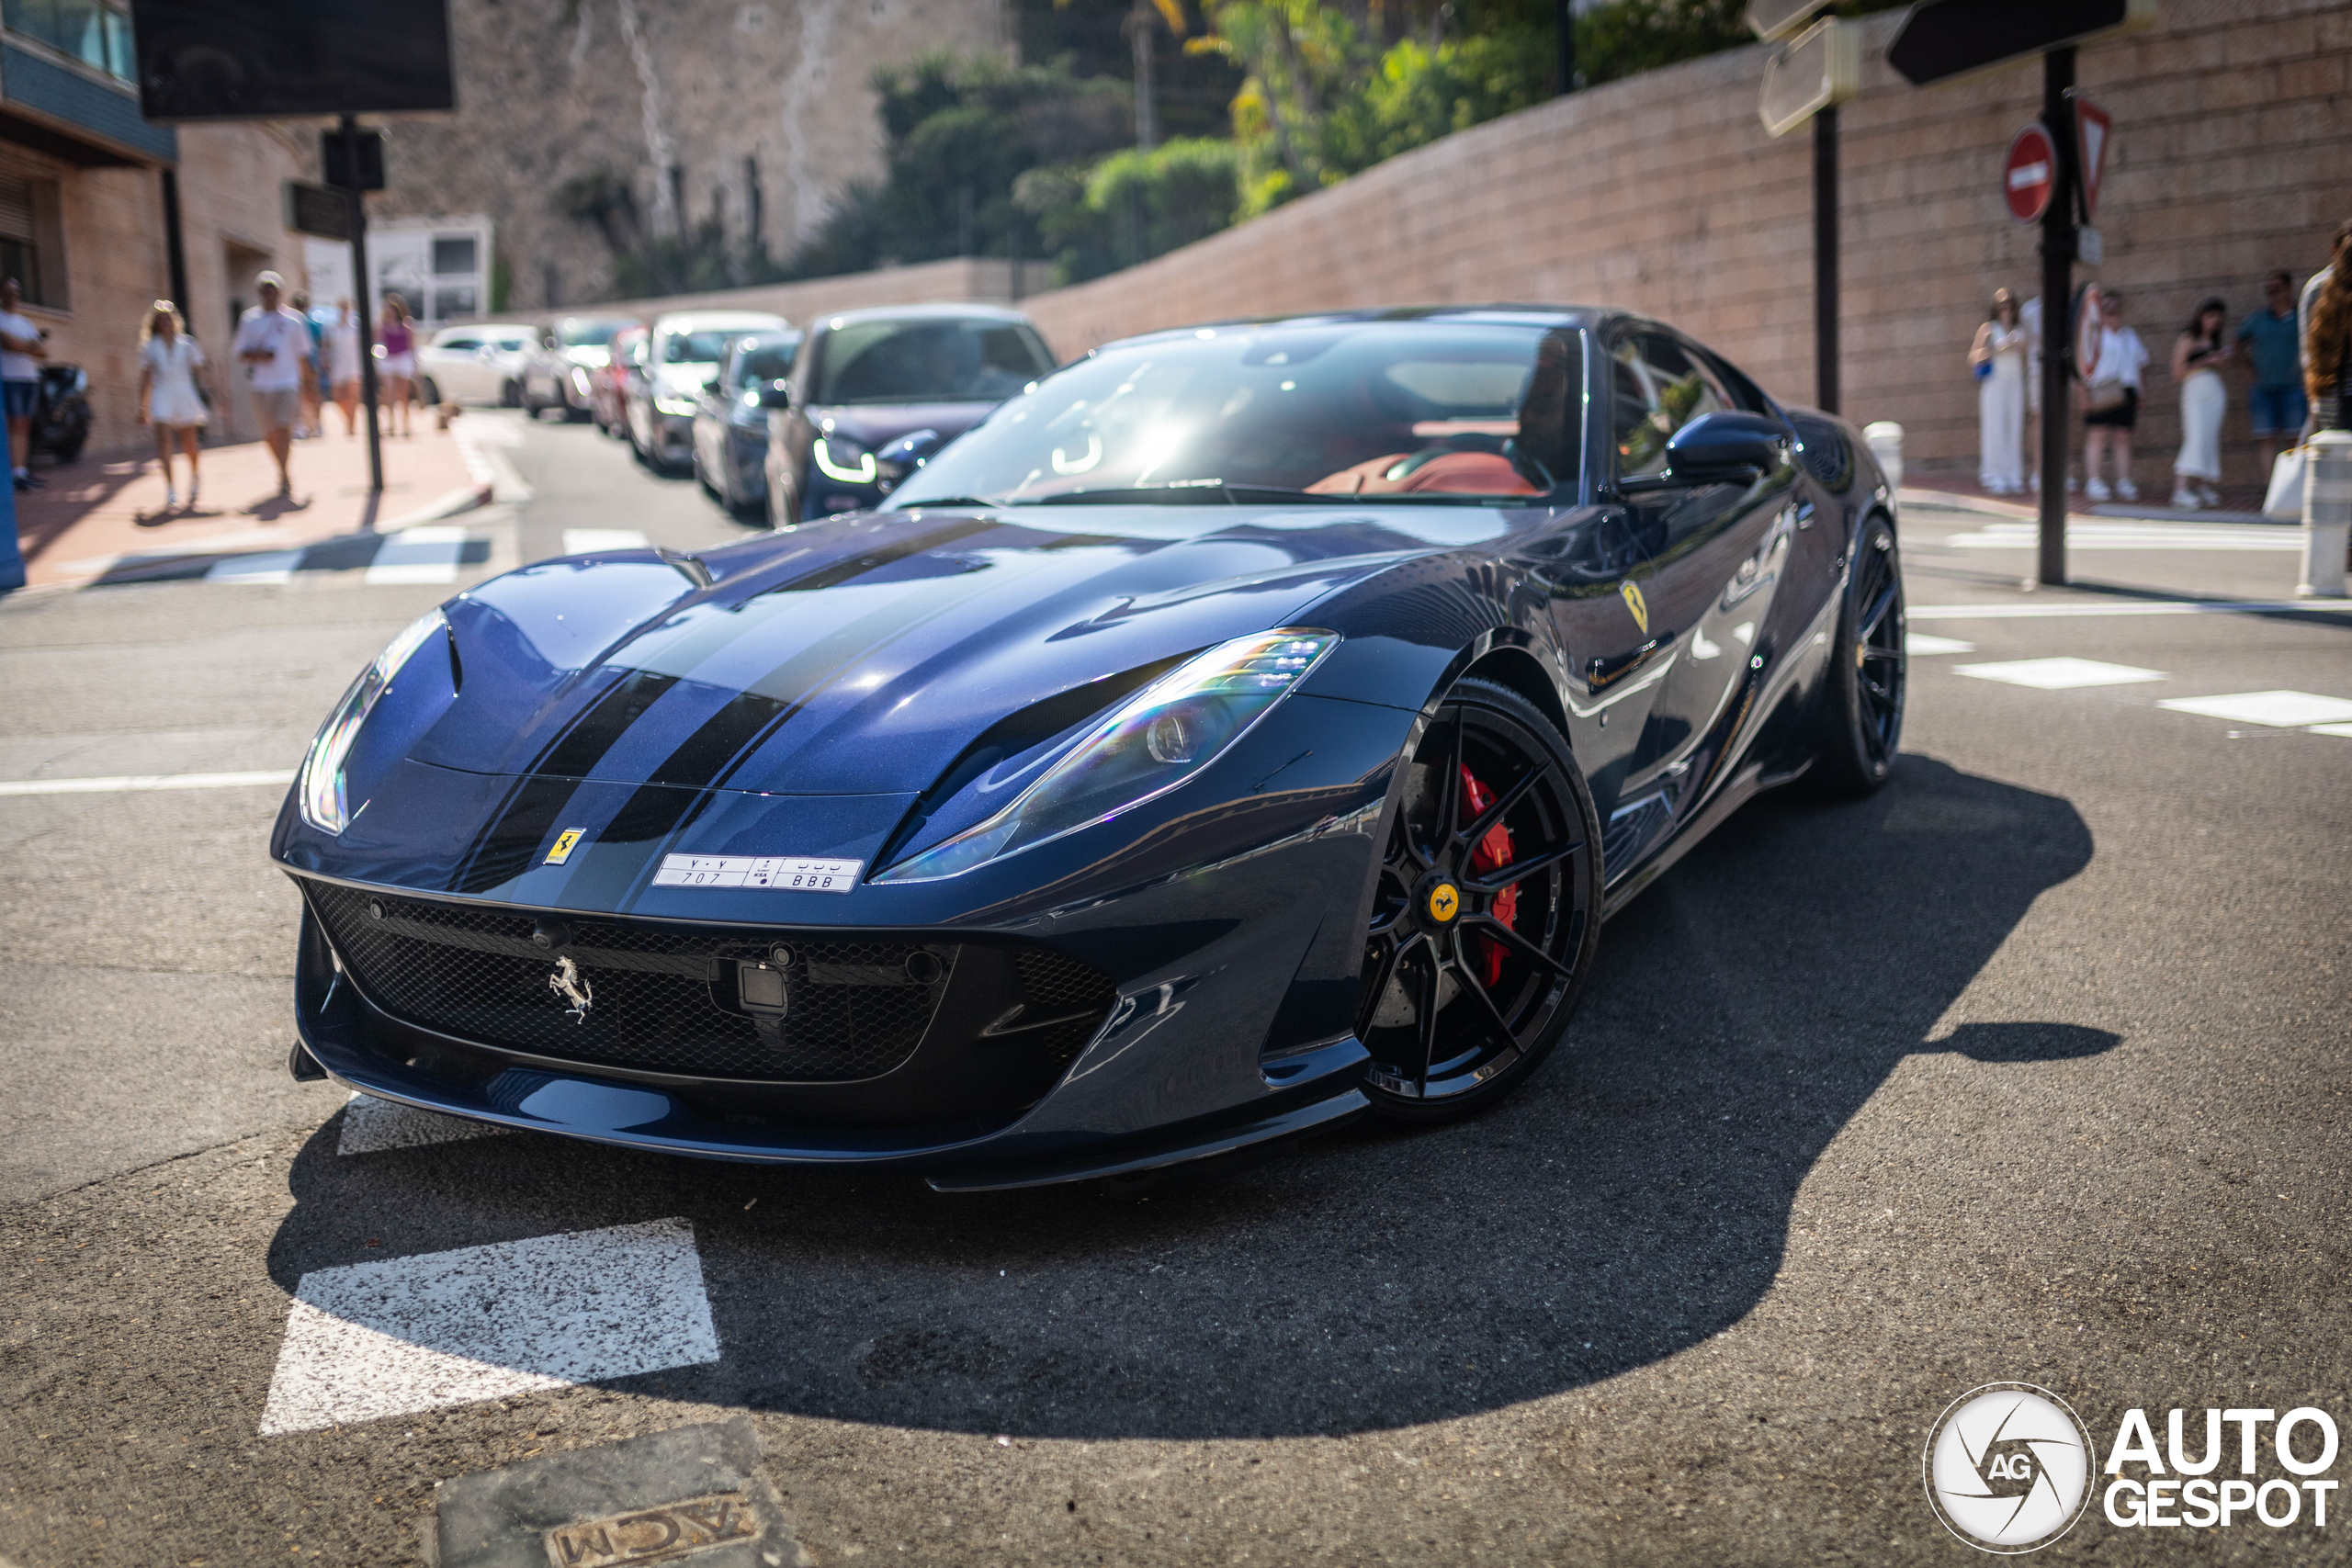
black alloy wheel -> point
(1860, 724)
(1487, 912)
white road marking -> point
(588, 541)
(1923, 642)
(271, 566)
(2059, 674)
(2141, 607)
(2137, 536)
(144, 781)
(371, 1124)
(418, 555)
(2281, 710)
(369, 1341)
(2342, 730)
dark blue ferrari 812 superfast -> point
(1240, 729)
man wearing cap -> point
(274, 342)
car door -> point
(1717, 552)
(450, 363)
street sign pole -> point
(2057, 287)
(353, 193)
(1824, 258)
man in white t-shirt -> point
(273, 342)
(21, 352)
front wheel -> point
(1860, 722)
(1488, 910)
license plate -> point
(783, 873)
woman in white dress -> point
(1997, 357)
(169, 361)
(2198, 355)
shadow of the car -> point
(1634, 1199)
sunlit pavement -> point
(2030, 1067)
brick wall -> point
(970, 278)
(2233, 156)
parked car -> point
(1213, 745)
(556, 374)
(608, 384)
(731, 420)
(62, 416)
(873, 392)
(478, 363)
(686, 350)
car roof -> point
(1455, 315)
(722, 321)
(935, 313)
(488, 327)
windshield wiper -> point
(946, 501)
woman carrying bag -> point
(170, 398)
(2198, 355)
(1997, 358)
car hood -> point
(864, 655)
(875, 424)
(684, 381)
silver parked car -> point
(682, 358)
(561, 369)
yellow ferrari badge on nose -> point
(1632, 593)
(1444, 902)
(563, 843)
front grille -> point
(663, 996)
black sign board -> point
(1944, 38)
(315, 209)
(353, 158)
(268, 60)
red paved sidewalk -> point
(89, 515)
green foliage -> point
(1132, 205)
(1628, 37)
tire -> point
(71, 450)
(510, 396)
(1454, 1016)
(429, 391)
(1858, 723)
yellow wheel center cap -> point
(1445, 902)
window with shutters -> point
(31, 248)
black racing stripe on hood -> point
(851, 568)
(503, 847)
(705, 754)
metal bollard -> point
(1884, 439)
(2327, 513)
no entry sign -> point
(2030, 174)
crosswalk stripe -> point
(2059, 674)
(2280, 710)
(2139, 607)
(2147, 535)
(143, 781)
(271, 566)
(391, 1338)
(371, 1125)
(419, 555)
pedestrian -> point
(2198, 355)
(397, 334)
(2272, 356)
(271, 340)
(343, 363)
(2338, 263)
(2327, 340)
(312, 381)
(1998, 357)
(2111, 401)
(169, 361)
(21, 352)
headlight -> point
(845, 462)
(580, 380)
(1164, 735)
(321, 790)
(679, 406)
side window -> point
(1658, 389)
(1738, 391)
(461, 345)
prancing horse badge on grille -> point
(570, 986)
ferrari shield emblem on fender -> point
(1632, 592)
(570, 986)
(563, 845)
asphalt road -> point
(2031, 1067)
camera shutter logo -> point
(2008, 1467)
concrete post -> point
(2327, 513)
(1886, 441)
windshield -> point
(588, 335)
(979, 360)
(764, 359)
(1410, 408)
(697, 348)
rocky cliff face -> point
(680, 138)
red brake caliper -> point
(1490, 853)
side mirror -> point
(1729, 444)
(775, 395)
(911, 451)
